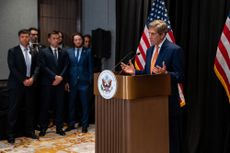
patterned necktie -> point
(28, 62)
(154, 59)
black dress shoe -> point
(42, 132)
(79, 124)
(69, 128)
(11, 140)
(84, 130)
(60, 132)
(32, 135)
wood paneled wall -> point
(62, 15)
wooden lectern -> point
(135, 120)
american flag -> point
(158, 12)
(222, 60)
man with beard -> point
(80, 76)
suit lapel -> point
(51, 52)
(21, 56)
(52, 55)
(59, 55)
(162, 53)
(72, 53)
(82, 56)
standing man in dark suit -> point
(34, 40)
(53, 65)
(79, 81)
(22, 64)
(87, 44)
(35, 46)
(164, 57)
(61, 41)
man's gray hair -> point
(160, 26)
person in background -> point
(61, 39)
(80, 76)
(165, 57)
(22, 64)
(53, 63)
(34, 39)
(35, 46)
(87, 41)
(87, 44)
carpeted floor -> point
(73, 142)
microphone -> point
(121, 60)
(138, 53)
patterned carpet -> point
(73, 142)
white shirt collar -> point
(53, 48)
(80, 49)
(23, 48)
(162, 42)
(160, 45)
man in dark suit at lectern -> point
(53, 65)
(23, 68)
(164, 57)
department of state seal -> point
(107, 84)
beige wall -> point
(15, 15)
(100, 14)
(18, 14)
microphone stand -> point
(137, 54)
(121, 61)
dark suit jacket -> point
(17, 67)
(50, 67)
(37, 47)
(172, 55)
(81, 70)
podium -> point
(135, 120)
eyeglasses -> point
(152, 33)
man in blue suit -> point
(80, 76)
(53, 65)
(164, 57)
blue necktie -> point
(77, 54)
(28, 62)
